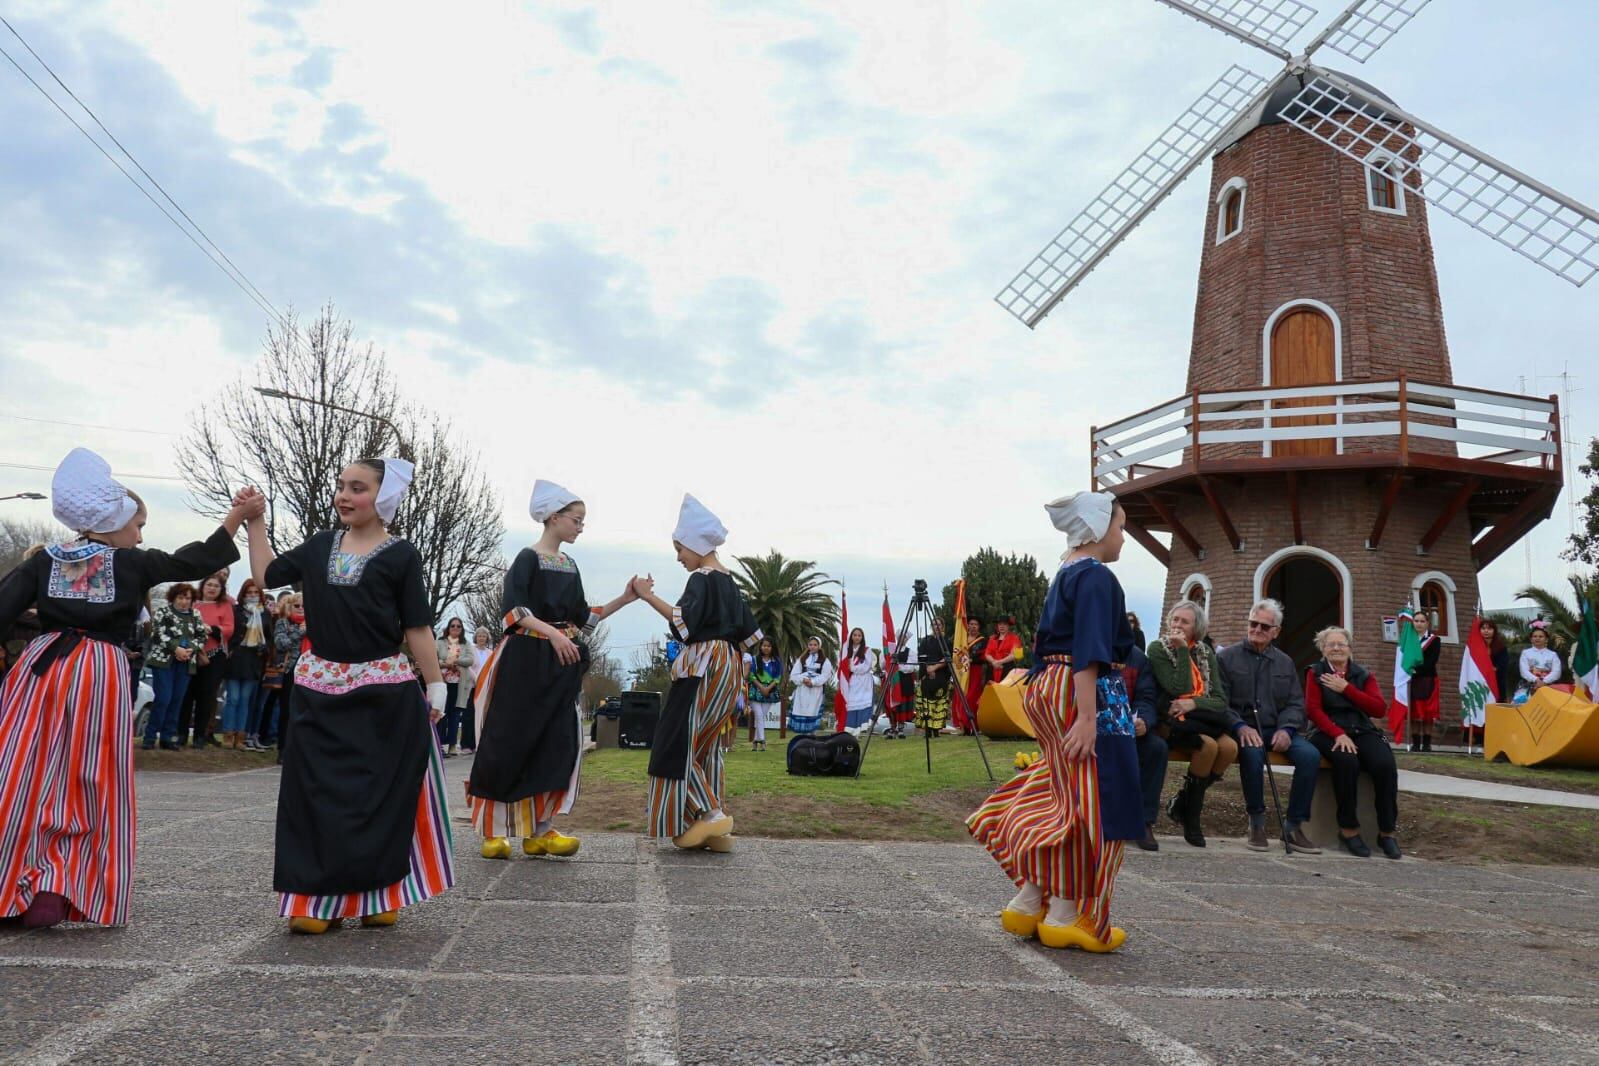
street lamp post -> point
(403, 445)
(24, 496)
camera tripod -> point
(918, 623)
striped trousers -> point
(1042, 826)
(66, 782)
(674, 805)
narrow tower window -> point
(1384, 190)
(1230, 209)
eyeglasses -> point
(1335, 646)
(1267, 626)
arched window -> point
(1434, 592)
(1315, 589)
(1385, 186)
(1196, 587)
(1230, 209)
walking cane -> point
(1271, 778)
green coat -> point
(1174, 676)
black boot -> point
(1192, 807)
(1426, 742)
(1177, 806)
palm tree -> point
(1564, 617)
(789, 604)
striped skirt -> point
(674, 805)
(66, 782)
(431, 868)
(1043, 825)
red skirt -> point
(66, 782)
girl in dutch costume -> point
(363, 828)
(1058, 827)
(529, 731)
(66, 710)
(715, 625)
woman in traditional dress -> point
(970, 666)
(1058, 827)
(811, 675)
(856, 685)
(363, 828)
(716, 627)
(1424, 699)
(765, 690)
(1003, 651)
(1539, 665)
(66, 709)
(530, 732)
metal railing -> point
(1398, 416)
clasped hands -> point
(249, 502)
(639, 588)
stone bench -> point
(1323, 824)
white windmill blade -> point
(1365, 26)
(1129, 199)
(1520, 212)
(1266, 24)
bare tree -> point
(605, 675)
(295, 450)
(17, 535)
(481, 604)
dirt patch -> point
(202, 761)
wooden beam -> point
(1179, 530)
(1389, 498)
(1513, 526)
(1460, 499)
(1293, 506)
(1150, 544)
(1222, 518)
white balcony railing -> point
(1400, 416)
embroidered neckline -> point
(559, 563)
(345, 568)
(74, 551)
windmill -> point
(1323, 453)
(1527, 216)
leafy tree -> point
(788, 601)
(1564, 617)
(1583, 547)
(998, 586)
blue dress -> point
(1085, 616)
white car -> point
(142, 699)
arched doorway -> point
(1303, 352)
(1312, 595)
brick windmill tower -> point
(1323, 453)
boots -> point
(1426, 742)
(1192, 803)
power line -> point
(120, 474)
(240, 280)
(87, 425)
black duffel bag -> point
(835, 756)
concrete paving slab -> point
(800, 952)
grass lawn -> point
(1473, 767)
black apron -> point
(530, 729)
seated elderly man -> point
(1263, 689)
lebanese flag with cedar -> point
(893, 699)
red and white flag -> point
(892, 697)
(840, 708)
(1479, 681)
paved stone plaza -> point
(791, 952)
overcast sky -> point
(744, 249)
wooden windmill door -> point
(1302, 354)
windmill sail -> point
(1267, 24)
(1129, 199)
(1367, 26)
(1528, 217)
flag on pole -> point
(891, 695)
(1479, 681)
(1406, 658)
(1585, 660)
(840, 707)
(963, 640)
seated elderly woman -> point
(1192, 707)
(1346, 710)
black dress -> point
(525, 770)
(362, 823)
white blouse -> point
(857, 688)
(808, 698)
(1540, 659)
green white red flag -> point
(1406, 658)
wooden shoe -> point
(720, 845)
(1075, 936)
(309, 926)
(497, 848)
(703, 830)
(551, 843)
(379, 920)
(1020, 923)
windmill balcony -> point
(1499, 453)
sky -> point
(747, 250)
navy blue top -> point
(1085, 616)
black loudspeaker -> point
(640, 713)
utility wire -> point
(87, 425)
(120, 474)
(123, 148)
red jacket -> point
(1368, 698)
